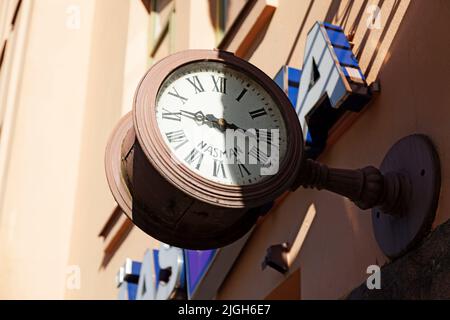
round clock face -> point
(221, 124)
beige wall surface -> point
(82, 62)
(77, 80)
(38, 201)
(409, 54)
(106, 100)
(119, 58)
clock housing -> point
(161, 156)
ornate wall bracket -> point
(403, 194)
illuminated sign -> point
(173, 273)
(288, 79)
(197, 263)
(167, 273)
(160, 276)
(330, 83)
(127, 279)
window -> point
(16, 13)
(223, 13)
(220, 18)
(161, 33)
(2, 54)
(7, 34)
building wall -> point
(63, 88)
(117, 61)
(332, 239)
(41, 166)
(81, 63)
(122, 37)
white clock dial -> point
(195, 106)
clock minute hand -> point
(226, 125)
(233, 126)
(215, 122)
(212, 119)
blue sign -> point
(330, 83)
(127, 279)
(288, 79)
(180, 270)
(197, 263)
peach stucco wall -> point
(74, 85)
(42, 167)
(409, 54)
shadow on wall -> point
(213, 11)
(404, 53)
(299, 33)
(334, 251)
(353, 17)
(372, 24)
(257, 41)
(368, 23)
(417, 68)
(414, 55)
(336, 247)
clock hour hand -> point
(221, 123)
(233, 126)
(213, 121)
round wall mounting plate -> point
(416, 158)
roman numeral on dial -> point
(264, 135)
(177, 137)
(220, 84)
(196, 83)
(177, 95)
(241, 95)
(219, 169)
(176, 116)
(259, 155)
(257, 113)
(243, 170)
(194, 156)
